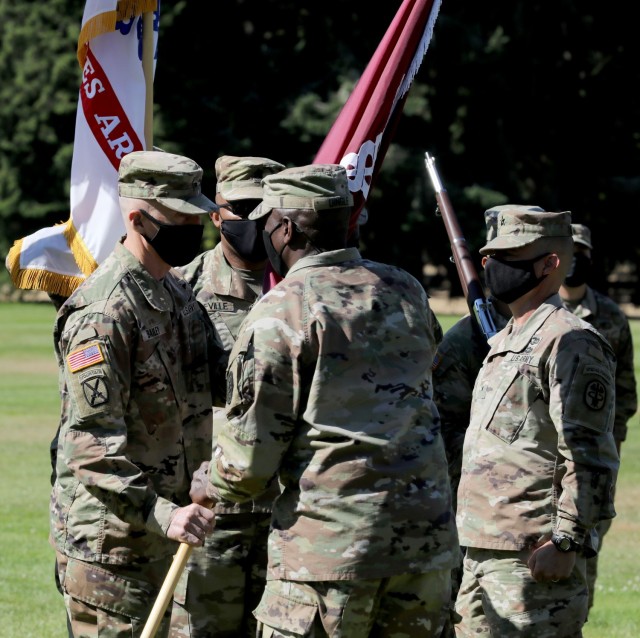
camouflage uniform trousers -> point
(394, 607)
(499, 597)
(592, 563)
(224, 580)
(110, 601)
(448, 630)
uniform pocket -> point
(287, 606)
(513, 396)
(104, 589)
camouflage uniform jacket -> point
(329, 388)
(539, 455)
(227, 296)
(455, 368)
(611, 322)
(136, 412)
(225, 293)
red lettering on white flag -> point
(104, 114)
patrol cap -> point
(581, 235)
(315, 187)
(517, 228)
(491, 216)
(173, 180)
(240, 177)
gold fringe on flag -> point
(35, 279)
(81, 253)
(106, 22)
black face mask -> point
(176, 244)
(509, 280)
(244, 237)
(580, 271)
(277, 263)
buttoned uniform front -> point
(329, 393)
(136, 413)
(539, 457)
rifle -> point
(479, 306)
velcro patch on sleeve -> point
(84, 357)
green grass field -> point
(30, 605)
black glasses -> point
(241, 208)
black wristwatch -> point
(564, 544)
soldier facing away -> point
(329, 392)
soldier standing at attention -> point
(136, 406)
(539, 461)
(455, 367)
(223, 580)
(329, 392)
(608, 318)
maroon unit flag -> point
(362, 132)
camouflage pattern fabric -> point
(329, 391)
(550, 382)
(407, 605)
(608, 318)
(539, 455)
(114, 601)
(227, 295)
(223, 580)
(135, 416)
(610, 321)
(498, 597)
(173, 180)
(455, 368)
(241, 177)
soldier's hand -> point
(198, 491)
(191, 524)
(547, 564)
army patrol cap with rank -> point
(517, 228)
(491, 216)
(581, 235)
(173, 180)
(315, 187)
(241, 177)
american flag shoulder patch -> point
(85, 357)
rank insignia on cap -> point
(85, 357)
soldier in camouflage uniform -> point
(223, 581)
(539, 460)
(608, 318)
(329, 393)
(455, 367)
(458, 360)
(131, 344)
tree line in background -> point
(519, 101)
